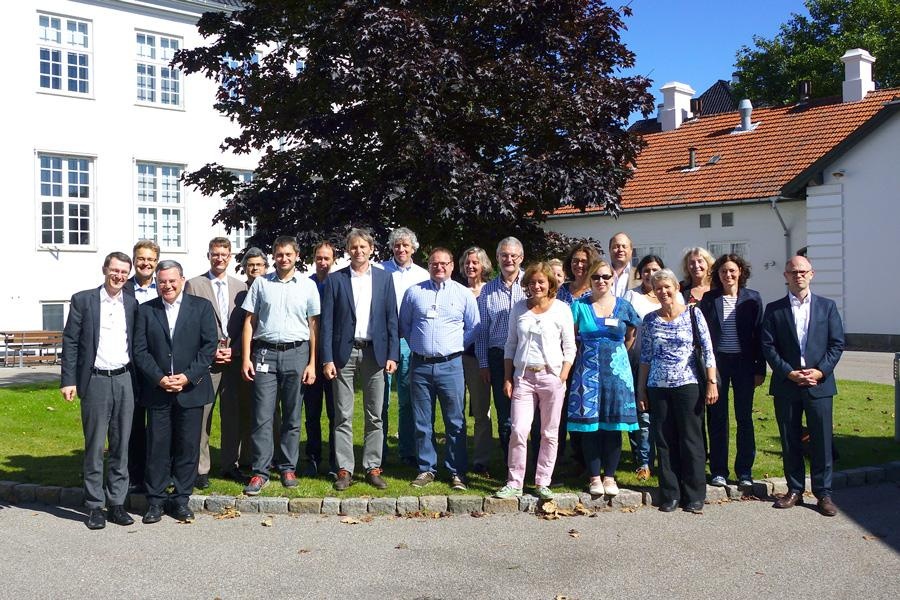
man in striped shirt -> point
(494, 303)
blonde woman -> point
(697, 268)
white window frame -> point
(65, 55)
(240, 236)
(705, 221)
(160, 204)
(727, 216)
(65, 311)
(155, 80)
(717, 249)
(639, 252)
(61, 181)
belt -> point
(430, 360)
(109, 372)
(279, 347)
(536, 368)
(360, 344)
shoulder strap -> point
(694, 327)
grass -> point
(41, 442)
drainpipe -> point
(787, 232)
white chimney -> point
(676, 104)
(857, 74)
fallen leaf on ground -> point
(303, 551)
(573, 533)
(267, 522)
(401, 546)
(565, 512)
(550, 517)
(50, 408)
(758, 573)
(350, 521)
(628, 509)
(229, 512)
(581, 510)
(366, 518)
(549, 507)
(560, 597)
(869, 538)
(477, 514)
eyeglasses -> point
(220, 256)
(798, 273)
(439, 265)
(599, 276)
(507, 256)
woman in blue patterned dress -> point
(601, 398)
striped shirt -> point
(494, 304)
(728, 342)
(438, 319)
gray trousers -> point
(285, 374)
(206, 429)
(480, 411)
(371, 376)
(106, 412)
(234, 417)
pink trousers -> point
(545, 391)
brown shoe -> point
(789, 500)
(343, 481)
(373, 478)
(827, 507)
(643, 474)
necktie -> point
(223, 302)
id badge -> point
(611, 322)
(262, 368)
(431, 314)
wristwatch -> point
(713, 381)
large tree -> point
(465, 121)
(809, 48)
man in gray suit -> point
(221, 290)
(96, 364)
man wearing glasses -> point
(438, 317)
(802, 340)
(494, 303)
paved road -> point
(734, 550)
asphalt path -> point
(738, 549)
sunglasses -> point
(598, 277)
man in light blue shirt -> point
(279, 353)
(438, 318)
(404, 273)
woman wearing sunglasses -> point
(601, 399)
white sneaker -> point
(718, 481)
(596, 486)
(610, 488)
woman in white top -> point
(538, 356)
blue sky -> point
(696, 42)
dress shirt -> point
(361, 283)
(404, 277)
(172, 311)
(220, 291)
(800, 310)
(282, 308)
(112, 347)
(494, 304)
(620, 282)
(438, 319)
(145, 294)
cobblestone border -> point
(764, 489)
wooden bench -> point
(30, 347)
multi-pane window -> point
(157, 81)
(727, 219)
(717, 249)
(52, 316)
(64, 50)
(705, 220)
(240, 236)
(160, 205)
(640, 252)
(66, 199)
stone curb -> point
(763, 489)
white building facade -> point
(99, 130)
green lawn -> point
(41, 442)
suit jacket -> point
(337, 322)
(781, 348)
(202, 286)
(81, 336)
(190, 351)
(748, 321)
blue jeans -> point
(406, 445)
(735, 370)
(501, 401)
(642, 446)
(444, 382)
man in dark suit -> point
(96, 364)
(802, 340)
(175, 343)
(359, 340)
(221, 290)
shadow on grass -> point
(61, 470)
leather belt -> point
(109, 372)
(360, 344)
(536, 368)
(430, 360)
(279, 347)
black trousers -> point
(173, 451)
(137, 445)
(789, 414)
(312, 406)
(676, 420)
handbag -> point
(699, 361)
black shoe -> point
(235, 474)
(153, 515)
(202, 481)
(310, 469)
(181, 513)
(117, 515)
(96, 519)
(695, 507)
(668, 506)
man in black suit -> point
(359, 340)
(175, 343)
(96, 364)
(802, 340)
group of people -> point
(581, 348)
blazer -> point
(190, 350)
(748, 320)
(81, 336)
(202, 286)
(337, 323)
(781, 348)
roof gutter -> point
(767, 199)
